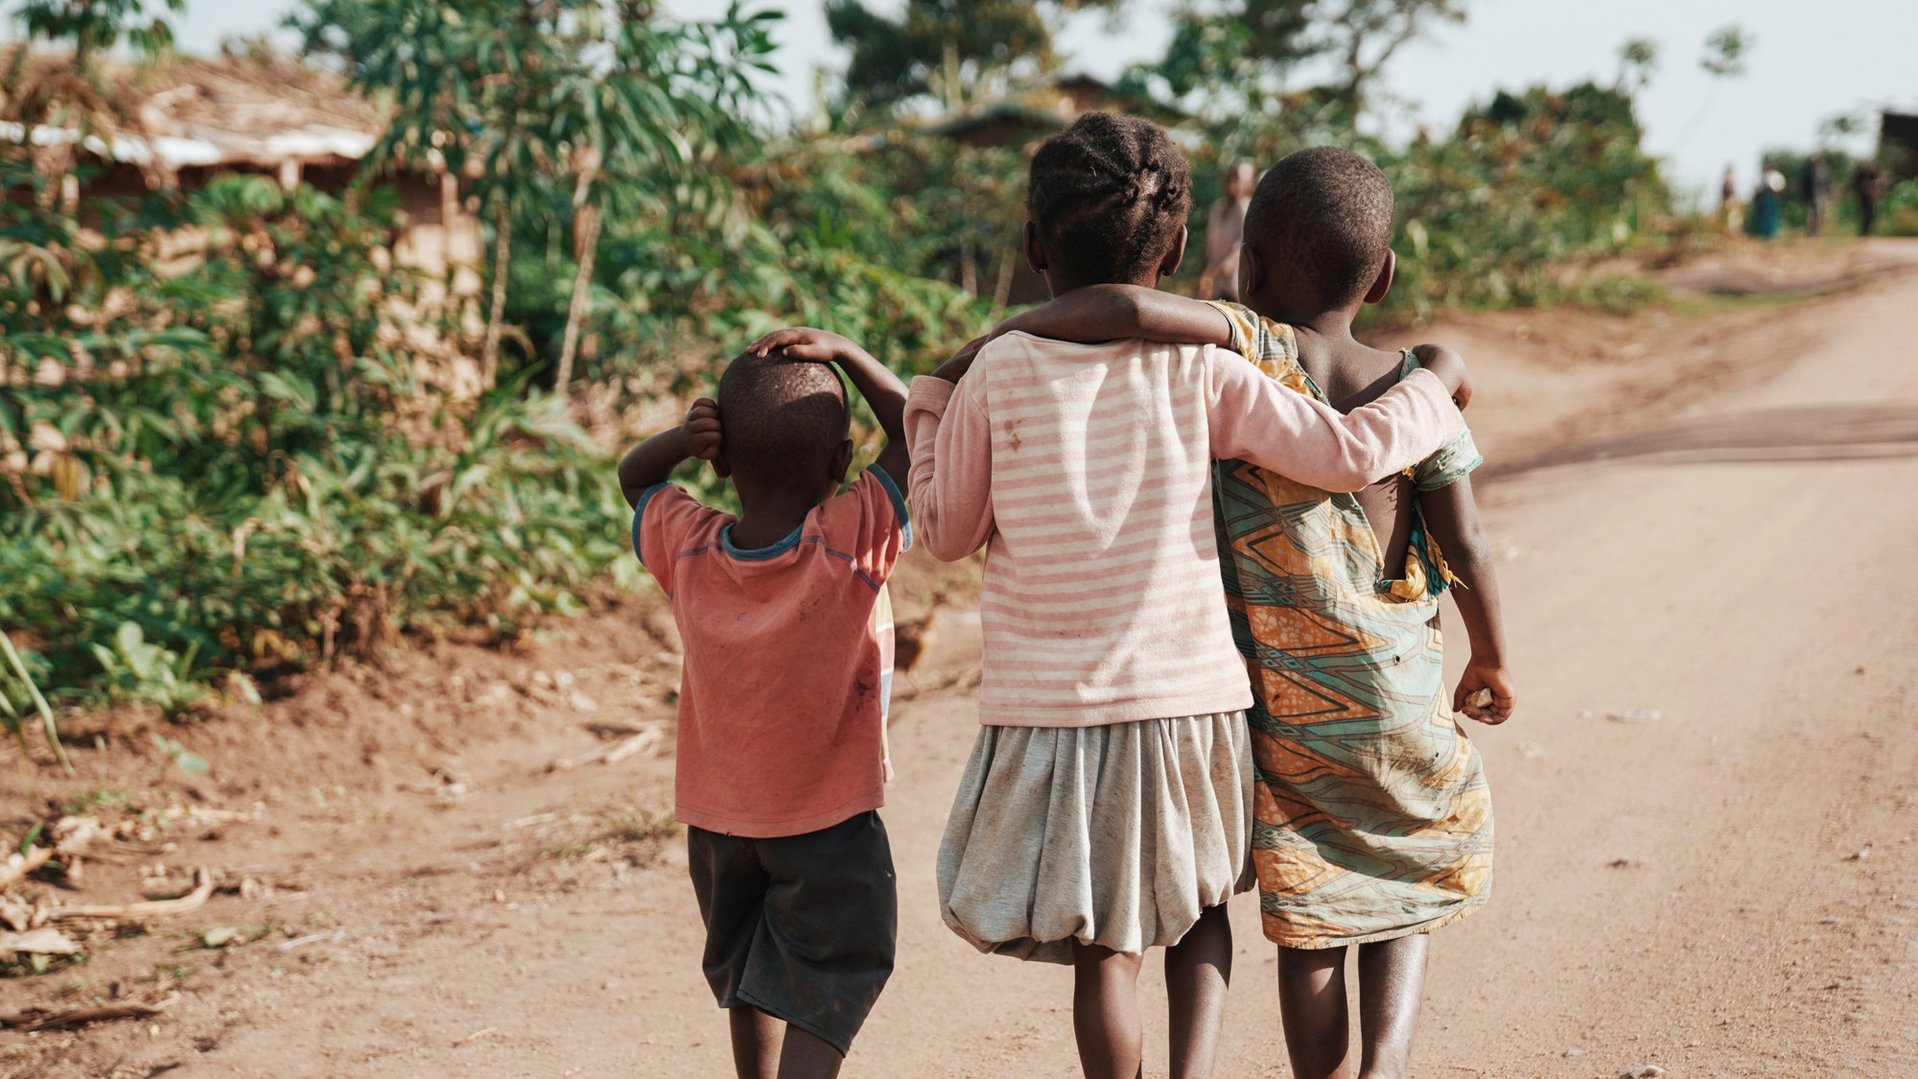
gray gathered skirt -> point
(1118, 835)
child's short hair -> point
(1110, 192)
(1328, 213)
(782, 420)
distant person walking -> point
(1817, 183)
(1868, 183)
(1223, 223)
(1731, 212)
(1763, 222)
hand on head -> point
(803, 344)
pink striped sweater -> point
(1085, 470)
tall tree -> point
(937, 46)
(74, 96)
(1235, 58)
(1227, 56)
(94, 26)
(1637, 63)
(1364, 35)
(595, 100)
(460, 79)
(1722, 59)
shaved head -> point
(1328, 213)
(784, 421)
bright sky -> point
(1810, 60)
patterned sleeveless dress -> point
(1372, 818)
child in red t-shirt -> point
(787, 633)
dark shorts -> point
(801, 927)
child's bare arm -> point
(1112, 312)
(882, 389)
(652, 462)
(956, 367)
(1105, 313)
(1452, 515)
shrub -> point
(237, 465)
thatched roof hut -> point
(179, 116)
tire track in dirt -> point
(1834, 432)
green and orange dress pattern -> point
(1372, 818)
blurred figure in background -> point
(1223, 223)
(1868, 183)
(1817, 181)
(1763, 222)
(1731, 212)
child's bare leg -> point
(756, 1038)
(1197, 971)
(1312, 1003)
(1391, 984)
(807, 1057)
(1105, 1012)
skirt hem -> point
(1304, 942)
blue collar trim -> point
(759, 554)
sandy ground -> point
(1710, 517)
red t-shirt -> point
(782, 703)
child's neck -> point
(1331, 327)
(768, 515)
(1059, 284)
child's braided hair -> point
(1110, 193)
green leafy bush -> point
(1526, 186)
(1899, 213)
(238, 464)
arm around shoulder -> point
(1109, 312)
(1256, 418)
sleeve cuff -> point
(1434, 386)
(898, 505)
(639, 511)
(1236, 322)
(931, 393)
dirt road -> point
(1712, 522)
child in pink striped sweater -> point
(1106, 808)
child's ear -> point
(1175, 256)
(842, 461)
(1383, 284)
(1251, 271)
(1035, 251)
